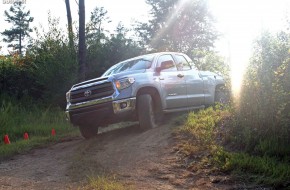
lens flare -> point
(240, 51)
(168, 22)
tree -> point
(20, 29)
(264, 107)
(121, 47)
(54, 67)
(70, 29)
(109, 50)
(178, 26)
(211, 61)
(96, 40)
(82, 42)
(95, 30)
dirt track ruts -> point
(145, 160)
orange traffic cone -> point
(52, 132)
(6, 139)
(25, 136)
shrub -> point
(263, 116)
(55, 63)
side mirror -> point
(165, 65)
(158, 69)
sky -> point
(125, 11)
(239, 21)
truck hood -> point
(110, 78)
(90, 81)
(127, 73)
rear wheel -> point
(146, 112)
(88, 131)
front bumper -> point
(101, 110)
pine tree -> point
(20, 20)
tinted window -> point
(181, 63)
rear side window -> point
(181, 63)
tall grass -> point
(208, 137)
(37, 120)
(263, 116)
(201, 127)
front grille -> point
(100, 90)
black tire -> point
(88, 131)
(146, 112)
(221, 95)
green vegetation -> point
(263, 114)
(35, 76)
(250, 139)
(106, 183)
(207, 135)
(176, 26)
(16, 119)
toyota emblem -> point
(87, 93)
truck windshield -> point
(131, 65)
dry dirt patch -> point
(145, 160)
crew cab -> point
(142, 88)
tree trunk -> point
(82, 42)
(20, 45)
(70, 30)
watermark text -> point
(14, 1)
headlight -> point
(124, 83)
(67, 96)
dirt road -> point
(145, 160)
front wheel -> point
(88, 131)
(146, 112)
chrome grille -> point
(91, 92)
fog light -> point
(123, 105)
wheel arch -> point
(154, 93)
(219, 86)
(222, 88)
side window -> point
(167, 63)
(190, 62)
(181, 63)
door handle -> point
(161, 78)
(180, 75)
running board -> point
(184, 109)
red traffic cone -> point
(52, 132)
(6, 139)
(25, 136)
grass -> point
(259, 169)
(205, 134)
(106, 183)
(37, 121)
